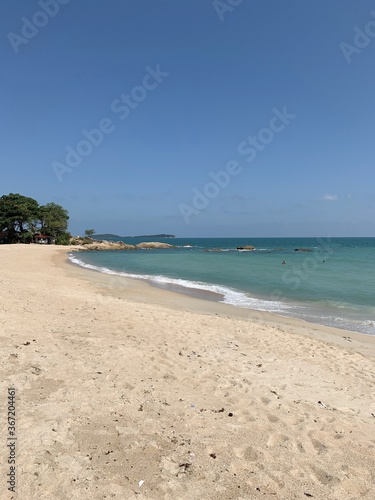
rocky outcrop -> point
(153, 244)
(90, 244)
(108, 245)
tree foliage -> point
(17, 213)
(22, 219)
(89, 233)
(53, 219)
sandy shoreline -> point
(144, 291)
(120, 382)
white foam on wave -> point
(79, 262)
(350, 323)
(186, 246)
(230, 296)
(366, 326)
(360, 322)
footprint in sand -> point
(322, 477)
(249, 453)
(272, 418)
(277, 440)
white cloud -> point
(330, 197)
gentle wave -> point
(365, 326)
(230, 296)
(327, 312)
(186, 246)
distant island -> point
(107, 236)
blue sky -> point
(220, 70)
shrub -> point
(63, 239)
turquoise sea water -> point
(332, 284)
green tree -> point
(63, 238)
(89, 233)
(17, 214)
(21, 218)
(53, 220)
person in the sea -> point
(283, 262)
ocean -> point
(328, 281)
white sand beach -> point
(127, 391)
